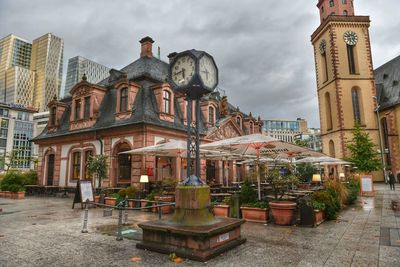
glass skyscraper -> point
(77, 66)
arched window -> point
(239, 121)
(331, 149)
(166, 108)
(88, 154)
(53, 116)
(76, 165)
(345, 13)
(331, 3)
(355, 99)
(344, 2)
(328, 111)
(211, 115)
(86, 111)
(325, 66)
(78, 103)
(385, 134)
(351, 57)
(123, 100)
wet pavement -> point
(47, 232)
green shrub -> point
(330, 204)
(318, 205)
(353, 188)
(12, 178)
(15, 188)
(258, 204)
(30, 178)
(247, 193)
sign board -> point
(84, 191)
(367, 185)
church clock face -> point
(322, 47)
(350, 38)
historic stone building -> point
(134, 107)
(345, 76)
(387, 79)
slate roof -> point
(144, 71)
(387, 79)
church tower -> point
(345, 78)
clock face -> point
(183, 70)
(208, 72)
(350, 38)
(322, 47)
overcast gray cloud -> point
(262, 47)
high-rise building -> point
(345, 77)
(77, 66)
(46, 62)
(285, 130)
(16, 80)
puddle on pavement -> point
(368, 203)
(8, 212)
(130, 231)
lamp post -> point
(380, 138)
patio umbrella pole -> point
(258, 173)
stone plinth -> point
(193, 232)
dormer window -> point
(53, 116)
(86, 113)
(239, 121)
(123, 100)
(166, 102)
(78, 109)
(331, 3)
(211, 115)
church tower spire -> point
(345, 76)
(335, 7)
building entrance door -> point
(50, 169)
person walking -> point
(392, 181)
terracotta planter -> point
(97, 199)
(221, 210)
(111, 201)
(18, 195)
(1, 194)
(165, 209)
(7, 194)
(255, 214)
(319, 217)
(131, 203)
(144, 203)
(282, 212)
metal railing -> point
(123, 209)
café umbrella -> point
(260, 145)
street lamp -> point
(380, 137)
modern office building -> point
(77, 66)
(311, 138)
(16, 79)
(285, 130)
(16, 132)
(46, 62)
(30, 74)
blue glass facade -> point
(277, 125)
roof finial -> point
(84, 78)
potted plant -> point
(252, 209)
(222, 209)
(327, 203)
(97, 166)
(17, 191)
(282, 211)
(112, 200)
(319, 212)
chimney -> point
(172, 56)
(147, 47)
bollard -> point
(85, 217)
(159, 211)
(119, 235)
(126, 211)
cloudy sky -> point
(262, 48)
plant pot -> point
(319, 217)
(221, 210)
(7, 194)
(168, 198)
(143, 204)
(97, 199)
(1, 194)
(259, 215)
(18, 195)
(111, 201)
(283, 212)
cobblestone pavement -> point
(47, 232)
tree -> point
(15, 159)
(303, 143)
(305, 171)
(97, 165)
(363, 151)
